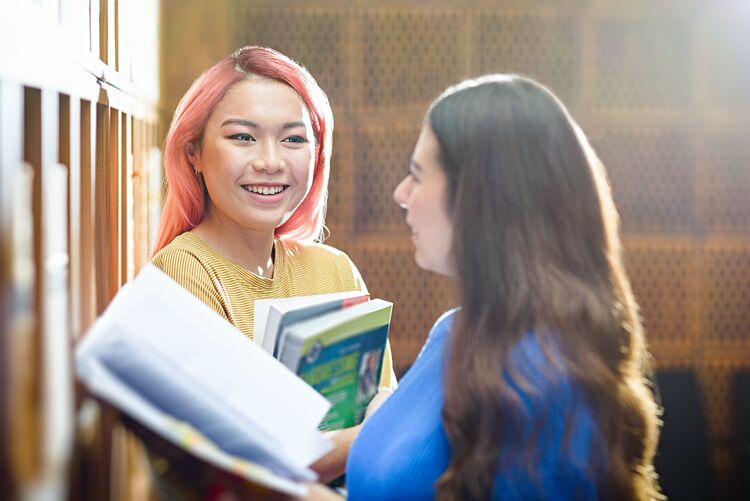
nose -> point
(401, 193)
(268, 158)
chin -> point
(424, 264)
(428, 265)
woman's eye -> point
(296, 139)
(243, 136)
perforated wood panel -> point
(408, 57)
(640, 64)
(340, 185)
(380, 162)
(652, 172)
(724, 294)
(661, 276)
(544, 47)
(724, 191)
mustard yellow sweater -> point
(299, 269)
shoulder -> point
(326, 266)
(446, 319)
(312, 251)
(189, 261)
(444, 323)
(196, 267)
(180, 248)
(440, 331)
(315, 259)
(182, 255)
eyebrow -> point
(253, 125)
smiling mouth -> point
(265, 190)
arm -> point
(333, 464)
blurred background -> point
(87, 89)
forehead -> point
(427, 149)
(259, 99)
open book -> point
(335, 342)
(164, 358)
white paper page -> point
(104, 384)
(174, 325)
(274, 310)
(262, 308)
(246, 374)
(260, 316)
(157, 381)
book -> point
(273, 315)
(165, 359)
(335, 346)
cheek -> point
(219, 160)
(304, 165)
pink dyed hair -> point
(184, 204)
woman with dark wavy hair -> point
(535, 387)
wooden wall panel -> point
(543, 45)
(638, 64)
(723, 203)
(408, 56)
(661, 275)
(652, 172)
(65, 161)
(724, 295)
(32, 145)
(380, 166)
(87, 219)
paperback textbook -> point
(273, 315)
(168, 361)
(334, 342)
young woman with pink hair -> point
(247, 160)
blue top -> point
(402, 449)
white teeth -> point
(264, 190)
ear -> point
(192, 156)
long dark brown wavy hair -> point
(536, 248)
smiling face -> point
(424, 195)
(256, 156)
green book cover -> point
(340, 354)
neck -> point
(251, 249)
